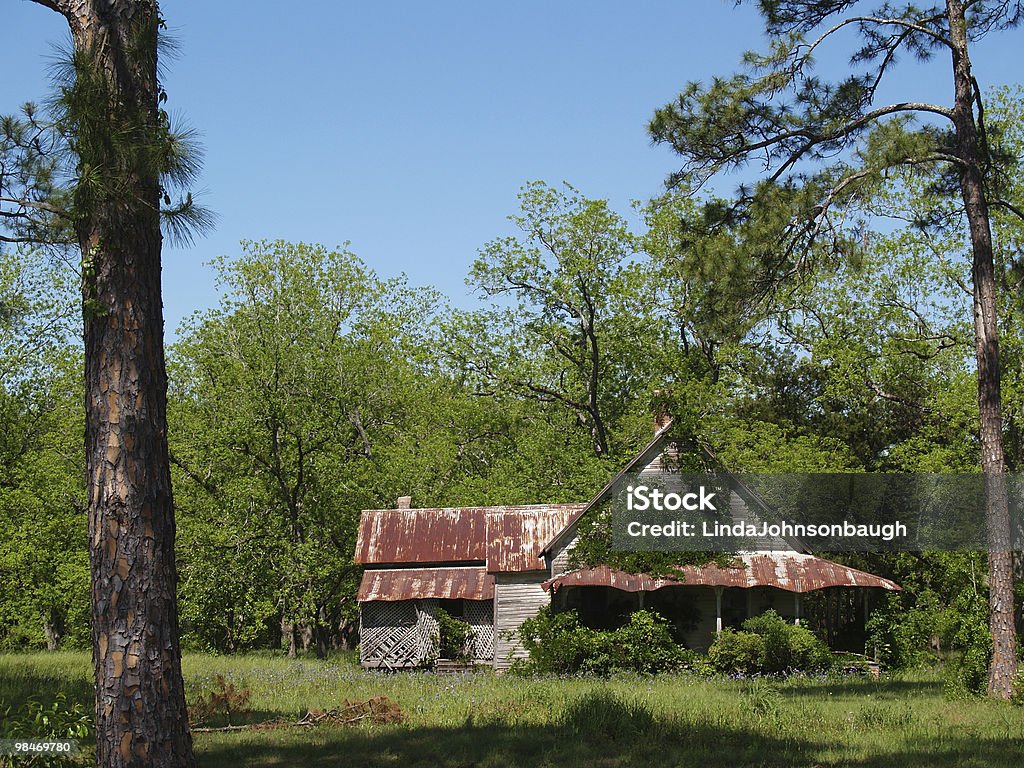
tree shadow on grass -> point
(533, 746)
(18, 689)
(495, 747)
(637, 740)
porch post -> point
(750, 602)
(796, 603)
(718, 610)
(641, 594)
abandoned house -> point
(493, 567)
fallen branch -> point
(379, 709)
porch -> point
(833, 599)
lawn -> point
(484, 720)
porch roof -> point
(418, 583)
(791, 571)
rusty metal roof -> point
(516, 536)
(791, 571)
(422, 536)
(411, 583)
(506, 538)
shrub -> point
(967, 671)
(734, 651)
(558, 644)
(645, 644)
(769, 645)
(454, 636)
(44, 721)
(902, 634)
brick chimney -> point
(659, 403)
(404, 502)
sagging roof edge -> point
(639, 582)
(393, 585)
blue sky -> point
(407, 128)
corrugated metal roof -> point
(791, 571)
(422, 536)
(515, 537)
(412, 583)
(507, 538)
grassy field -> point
(479, 720)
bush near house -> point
(769, 645)
(557, 643)
(453, 637)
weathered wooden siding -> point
(560, 561)
(517, 597)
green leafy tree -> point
(44, 563)
(44, 568)
(288, 398)
(780, 114)
(571, 325)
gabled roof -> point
(504, 539)
(791, 571)
(456, 535)
(642, 459)
(745, 500)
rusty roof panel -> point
(422, 536)
(791, 571)
(420, 583)
(516, 535)
(508, 538)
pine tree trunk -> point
(140, 703)
(997, 517)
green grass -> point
(482, 720)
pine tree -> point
(779, 114)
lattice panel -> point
(405, 633)
(390, 634)
(480, 615)
(426, 625)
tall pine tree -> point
(779, 114)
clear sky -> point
(407, 127)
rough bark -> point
(997, 518)
(140, 703)
(53, 629)
(288, 639)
